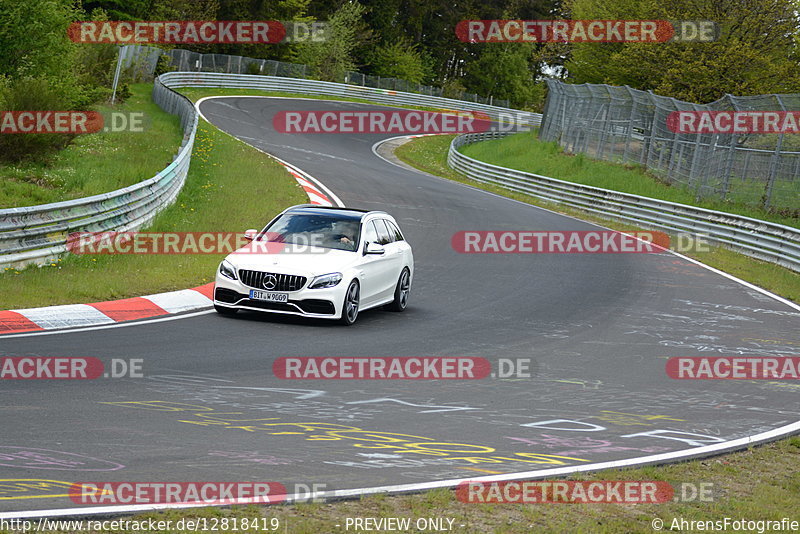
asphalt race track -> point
(597, 328)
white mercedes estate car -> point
(314, 261)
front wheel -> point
(401, 292)
(350, 305)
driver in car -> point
(345, 232)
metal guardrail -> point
(760, 239)
(342, 90)
(38, 234)
(141, 61)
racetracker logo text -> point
(733, 368)
(380, 122)
(734, 122)
(586, 31)
(177, 32)
(558, 242)
(103, 243)
(67, 368)
(208, 493)
(382, 368)
(566, 492)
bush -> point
(163, 65)
(453, 88)
(30, 94)
(253, 68)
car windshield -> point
(314, 229)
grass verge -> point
(211, 200)
(429, 154)
(761, 483)
(230, 187)
(525, 152)
(99, 162)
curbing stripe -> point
(129, 309)
(207, 290)
(11, 321)
(67, 316)
(314, 199)
(180, 301)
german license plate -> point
(269, 296)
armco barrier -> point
(760, 239)
(38, 234)
(341, 90)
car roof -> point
(345, 213)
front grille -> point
(286, 282)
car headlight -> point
(326, 280)
(227, 270)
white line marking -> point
(319, 184)
(115, 325)
(706, 450)
(697, 262)
(657, 458)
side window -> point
(394, 230)
(384, 238)
(370, 234)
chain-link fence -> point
(630, 126)
(145, 58)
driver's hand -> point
(345, 239)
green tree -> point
(33, 38)
(505, 70)
(400, 60)
(756, 53)
(122, 9)
(333, 56)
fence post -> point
(773, 171)
(695, 159)
(120, 52)
(646, 154)
(773, 164)
(630, 125)
(601, 143)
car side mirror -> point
(374, 248)
(250, 234)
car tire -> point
(222, 310)
(401, 292)
(350, 305)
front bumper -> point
(321, 303)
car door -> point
(400, 244)
(394, 256)
(375, 269)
